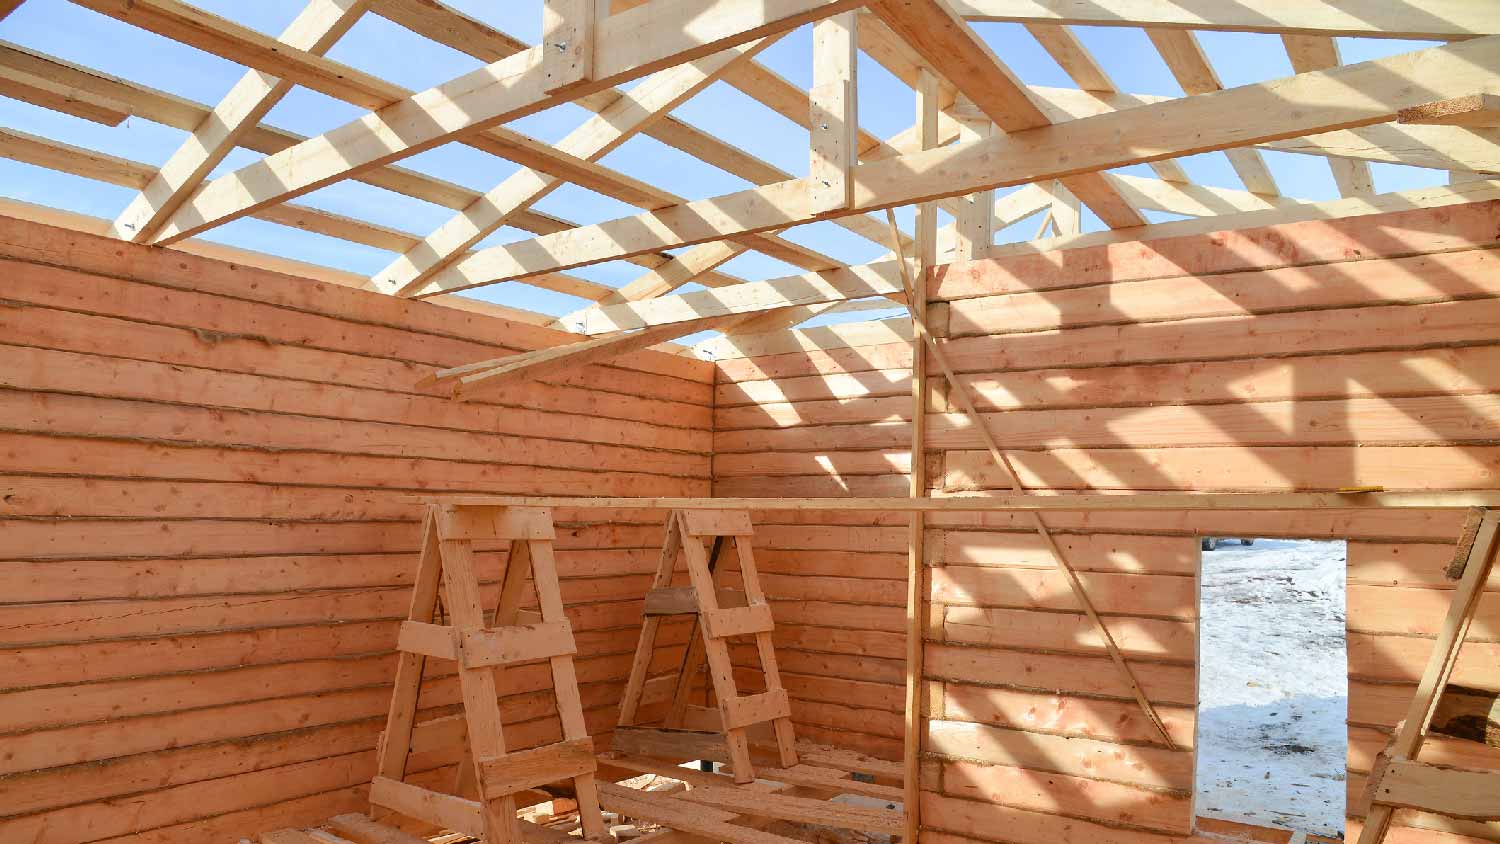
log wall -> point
(206, 542)
(1307, 356)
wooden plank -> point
(683, 816)
(833, 285)
(315, 30)
(1473, 111)
(568, 43)
(526, 769)
(1156, 131)
(58, 96)
(362, 830)
(799, 809)
(1093, 758)
(834, 112)
(1145, 501)
(520, 643)
(492, 374)
(437, 640)
(756, 709)
(710, 523)
(444, 810)
(1449, 791)
(633, 112)
(742, 621)
(627, 46)
(1436, 19)
(513, 523)
(676, 745)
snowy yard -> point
(1273, 685)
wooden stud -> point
(834, 112)
(567, 43)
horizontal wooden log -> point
(1146, 766)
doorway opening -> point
(1273, 684)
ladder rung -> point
(436, 808)
(741, 712)
(717, 522)
(683, 600)
(419, 637)
(521, 643)
(513, 772)
(740, 621)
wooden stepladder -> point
(481, 652)
(1398, 780)
(718, 615)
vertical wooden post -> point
(916, 589)
(834, 115)
(975, 226)
(567, 43)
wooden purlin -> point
(713, 624)
(493, 774)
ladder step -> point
(717, 522)
(521, 643)
(741, 712)
(1458, 792)
(439, 809)
(513, 772)
(740, 621)
(419, 637)
(683, 600)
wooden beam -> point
(533, 365)
(181, 113)
(856, 282)
(91, 164)
(1435, 147)
(1437, 20)
(999, 502)
(1184, 56)
(448, 26)
(627, 46)
(914, 701)
(8, 6)
(956, 52)
(567, 43)
(1456, 792)
(1304, 104)
(1192, 200)
(1472, 111)
(1320, 52)
(50, 93)
(835, 114)
(315, 30)
(598, 136)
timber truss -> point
(977, 128)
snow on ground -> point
(1273, 685)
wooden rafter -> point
(1437, 20)
(956, 52)
(627, 46)
(1305, 104)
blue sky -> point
(383, 48)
